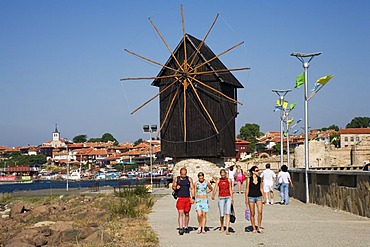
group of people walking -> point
(259, 190)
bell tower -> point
(56, 134)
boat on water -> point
(15, 180)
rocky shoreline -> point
(74, 218)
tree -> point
(250, 132)
(331, 127)
(359, 122)
(95, 139)
(138, 141)
(80, 139)
(106, 137)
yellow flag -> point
(284, 103)
(323, 80)
(290, 121)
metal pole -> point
(67, 185)
(151, 162)
(329, 151)
(306, 165)
(281, 134)
(287, 144)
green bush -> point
(131, 202)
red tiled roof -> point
(355, 131)
(98, 152)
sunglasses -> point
(256, 170)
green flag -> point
(323, 80)
(291, 106)
(300, 80)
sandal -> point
(260, 231)
(228, 233)
(254, 231)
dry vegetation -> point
(101, 220)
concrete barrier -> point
(344, 190)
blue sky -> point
(61, 61)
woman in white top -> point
(285, 179)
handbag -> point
(174, 194)
(232, 215)
(243, 176)
(247, 214)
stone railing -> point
(344, 190)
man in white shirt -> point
(268, 177)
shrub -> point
(132, 202)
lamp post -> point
(281, 94)
(301, 57)
(288, 127)
(152, 129)
(67, 184)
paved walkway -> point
(296, 224)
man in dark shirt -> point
(185, 197)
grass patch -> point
(131, 202)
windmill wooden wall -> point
(202, 140)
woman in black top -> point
(254, 195)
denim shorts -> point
(224, 205)
(255, 199)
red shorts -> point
(183, 203)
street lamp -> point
(301, 57)
(288, 127)
(152, 129)
(281, 94)
(67, 184)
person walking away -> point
(225, 199)
(268, 179)
(185, 197)
(231, 175)
(285, 179)
(239, 178)
(202, 188)
(254, 196)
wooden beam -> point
(169, 109)
(149, 78)
(204, 39)
(166, 44)
(155, 96)
(217, 91)
(222, 53)
(150, 60)
(204, 108)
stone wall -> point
(194, 166)
(344, 190)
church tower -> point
(56, 134)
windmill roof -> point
(206, 54)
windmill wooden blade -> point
(184, 113)
(150, 60)
(155, 96)
(149, 78)
(204, 39)
(219, 71)
(169, 109)
(185, 63)
(215, 90)
(219, 55)
(204, 108)
(166, 44)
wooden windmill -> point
(198, 100)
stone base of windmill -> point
(194, 166)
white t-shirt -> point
(231, 175)
(285, 176)
(268, 177)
